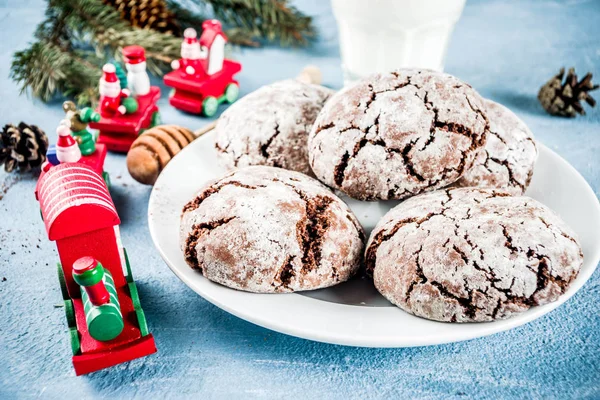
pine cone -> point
(149, 14)
(564, 99)
(24, 146)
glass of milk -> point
(382, 35)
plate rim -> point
(309, 333)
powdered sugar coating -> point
(509, 155)
(270, 126)
(395, 135)
(472, 254)
(264, 229)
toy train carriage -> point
(104, 315)
(118, 132)
(94, 160)
(201, 93)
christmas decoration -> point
(79, 36)
(23, 147)
(203, 79)
(149, 14)
(106, 323)
(126, 113)
(564, 98)
(138, 80)
(67, 150)
(79, 120)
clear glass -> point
(382, 35)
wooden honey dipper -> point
(152, 150)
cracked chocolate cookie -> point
(267, 230)
(395, 135)
(270, 126)
(471, 254)
(509, 155)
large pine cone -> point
(564, 98)
(22, 146)
(149, 14)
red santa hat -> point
(134, 54)
(109, 73)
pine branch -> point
(78, 36)
(47, 70)
(267, 19)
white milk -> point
(382, 35)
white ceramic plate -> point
(354, 313)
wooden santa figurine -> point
(138, 81)
(191, 54)
(67, 150)
(213, 39)
(111, 93)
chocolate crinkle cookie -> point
(394, 135)
(267, 230)
(509, 155)
(270, 126)
(472, 254)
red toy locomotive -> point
(202, 79)
(128, 105)
(106, 322)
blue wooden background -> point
(505, 49)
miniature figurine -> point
(106, 323)
(202, 79)
(79, 122)
(66, 150)
(125, 113)
(111, 93)
(137, 78)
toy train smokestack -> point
(100, 299)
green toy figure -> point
(79, 122)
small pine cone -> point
(22, 146)
(148, 14)
(564, 99)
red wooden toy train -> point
(106, 322)
(202, 79)
(127, 105)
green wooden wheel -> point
(106, 178)
(232, 92)
(70, 314)
(75, 343)
(209, 106)
(156, 119)
(62, 282)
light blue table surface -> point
(505, 49)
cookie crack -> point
(264, 148)
(285, 274)
(199, 230)
(383, 236)
(311, 229)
